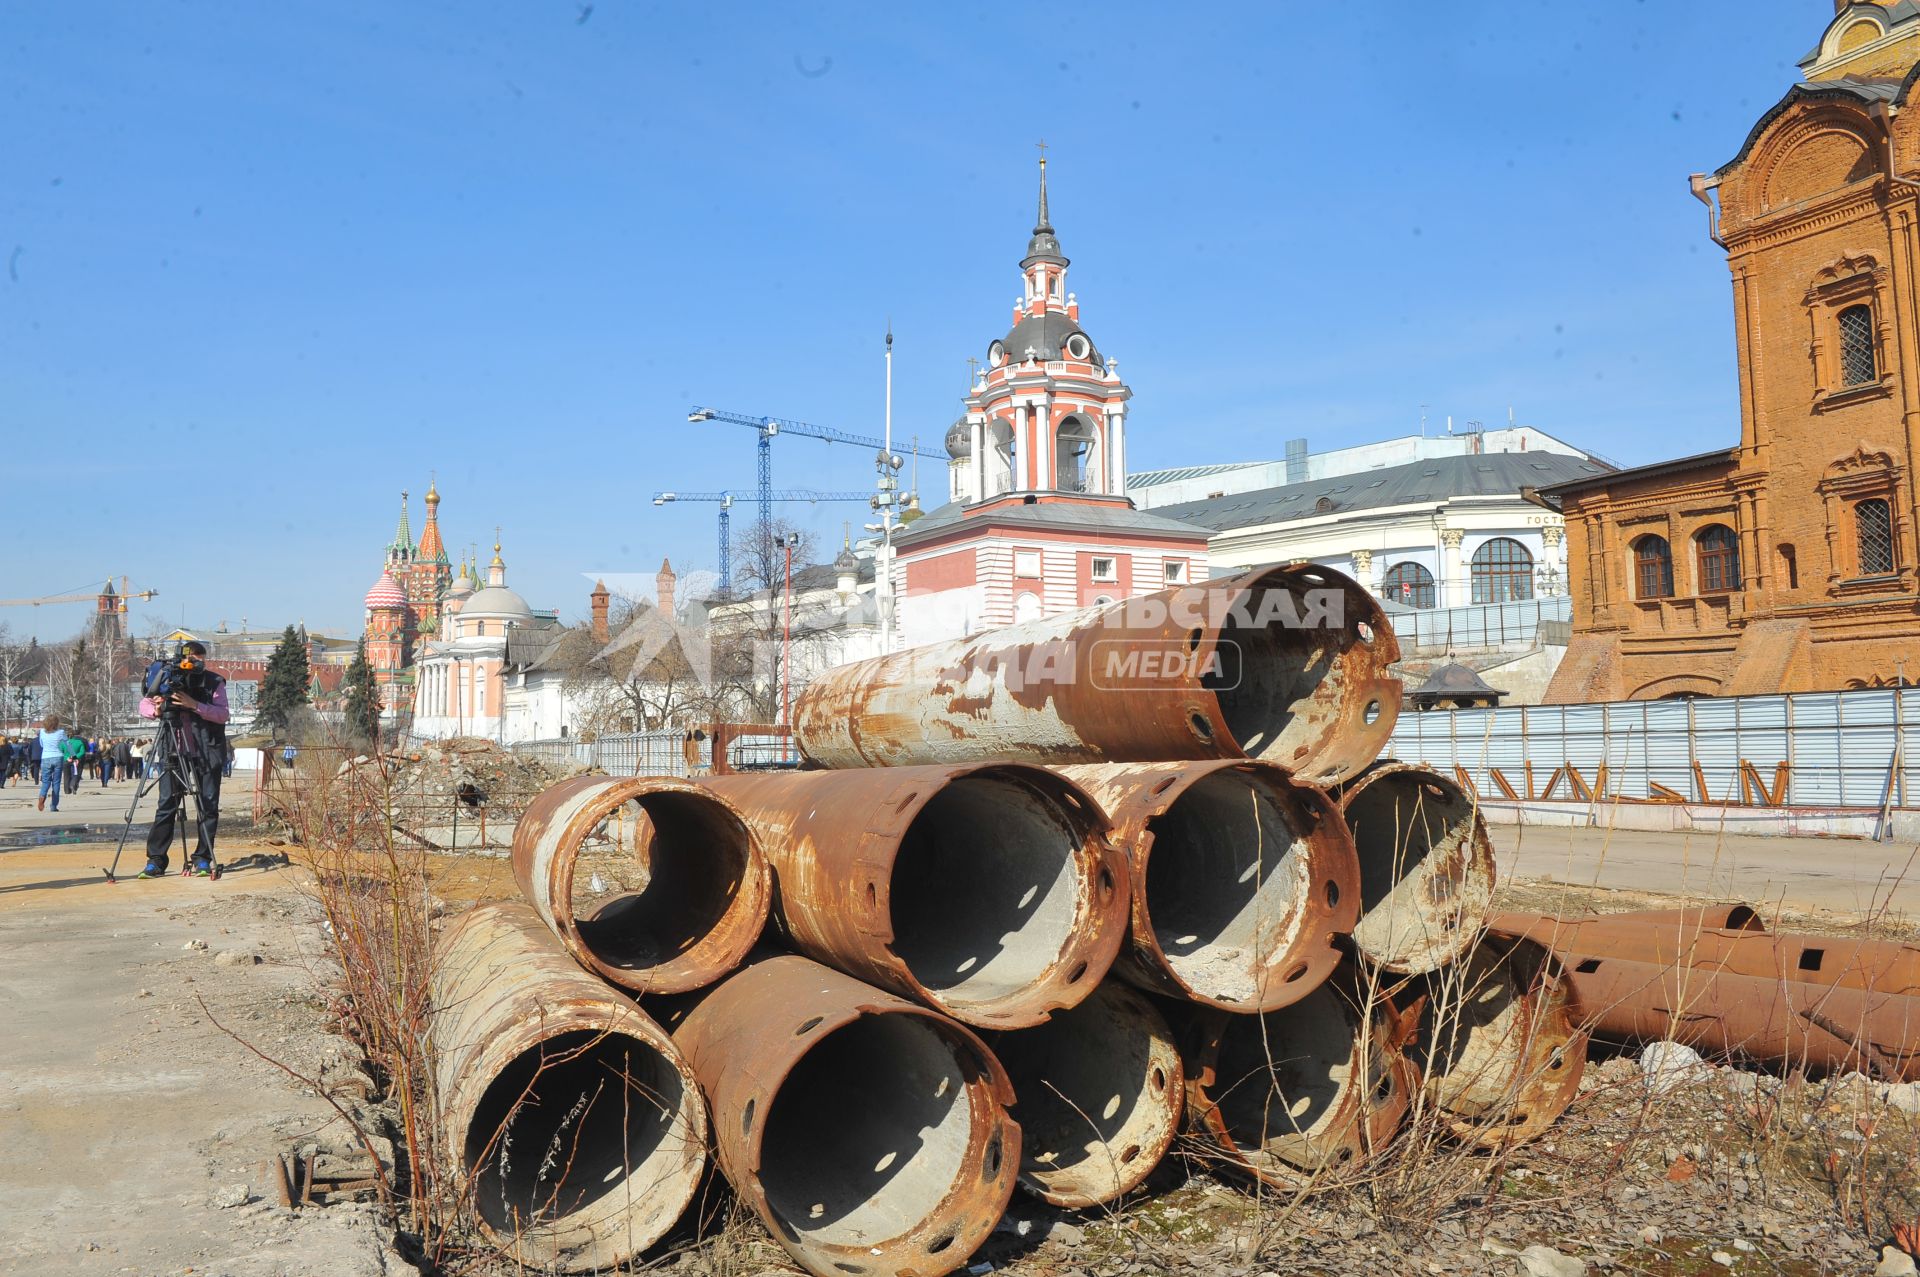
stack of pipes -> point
(1040, 894)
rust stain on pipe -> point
(1242, 879)
(576, 1124)
(1285, 664)
(1098, 1092)
(988, 890)
(1499, 1052)
(871, 1135)
(1294, 1096)
(1426, 867)
(1739, 993)
(703, 886)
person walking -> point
(73, 750)
(106, 763)
(33, 755)
(53, 744)
(6, 759)
(123, 758)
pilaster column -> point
(1553, 543)
(1022, 448)
(977, 432)
(1117, 427)
(1453, 577)
(1363, 570)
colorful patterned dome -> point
(386, 592)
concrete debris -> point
(1666, 1065)
(1895, 1262)
(1545, 1261)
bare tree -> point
(761, 555)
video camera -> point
(180, 671)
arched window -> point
(1072, 450)
(1875, 520)
(1000, 467)
(1719, 553)
(1502, 571)
(1408, 583)
(1856, 345)
(1652, 568)
(1026, 608)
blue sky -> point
(269, 264)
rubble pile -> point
(470, 769)
(1030, 913)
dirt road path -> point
(132, 1130)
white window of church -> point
(1053, 286)
(1103, 569)
(1176, 571)
(1026, 563)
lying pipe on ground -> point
(988, 890)
(1294, 1097)
(1732, 938)
(1426, 867)
(1649, 984)
(1097, 1093)
(1284, 664)
(871, 1135)
(1242, 879)
(578, 1129)
(651, 881)
(1499, 1054)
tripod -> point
(163, 762)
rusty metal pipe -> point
(1284, 664)
(1499, 1052)
(1426, 867)
(988, 890)
(700, 889)
(1242, 879)
(577, 1128)
(1291, 1096)
(870, 1134)
(1098, 1091)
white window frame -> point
(1113, 568)
(1026, 564)
(1174, 571)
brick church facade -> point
(1790, 562)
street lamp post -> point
(786, 649)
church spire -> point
(432, 548)
(401, 551)
(1045, 245)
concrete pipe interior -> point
(869, 1135)
(1278, 681)
(1282, 1083)
(1093, 1097)
(1418, 855)
(1491, 1051)
(986, 889)
(584, 1127)
(1225, 877)
(656, 877)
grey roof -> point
(1845, 88)
(1047, 334)
(1455, 680)
(1148, 478)
(530, 643)
(1579, 483)
(1895, 14)
(1044, 514)
(1416, 483)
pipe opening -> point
(1284, 1082)
(868, 1137)
(1090, 1087)
(1225, 880)
(585, 1124)
(986, 889)
(657, 877)
(1279, 688)
(1425, 869)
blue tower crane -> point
(724, 499)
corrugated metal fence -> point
(1838, 749)
(652, 753)
(1485, 625)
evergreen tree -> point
(283, 692)
(363, 697)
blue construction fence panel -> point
(1839, 749)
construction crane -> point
(86, 596)
(725, 500)
(768, 427)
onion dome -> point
(960, 440)
(386, 592)
(846, 560)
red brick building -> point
(1788, 562)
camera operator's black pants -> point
(206, 780)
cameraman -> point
(193, 744)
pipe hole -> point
(1333, 893)
(990, 1165)
(746, 1118)
(1159, 1079)
(1384, 1090)
(1106, 882)
(1371, 714)
(1299, 969)
(903, 804)
(1078, 972)
(1365, 631)
(873, 896)
(809, 1026)
(1588, 966)
(1133, 1151)
(1193, 640)
(1201, 727)
(848, 1268)
(1166, 784)
(940, 1245)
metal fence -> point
(1806, 749)
(1484, 625)
(654, 753)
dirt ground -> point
(132, 1131)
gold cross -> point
(1042, 144)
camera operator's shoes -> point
(202, 869)
(154, 869)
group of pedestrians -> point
(56, 762)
